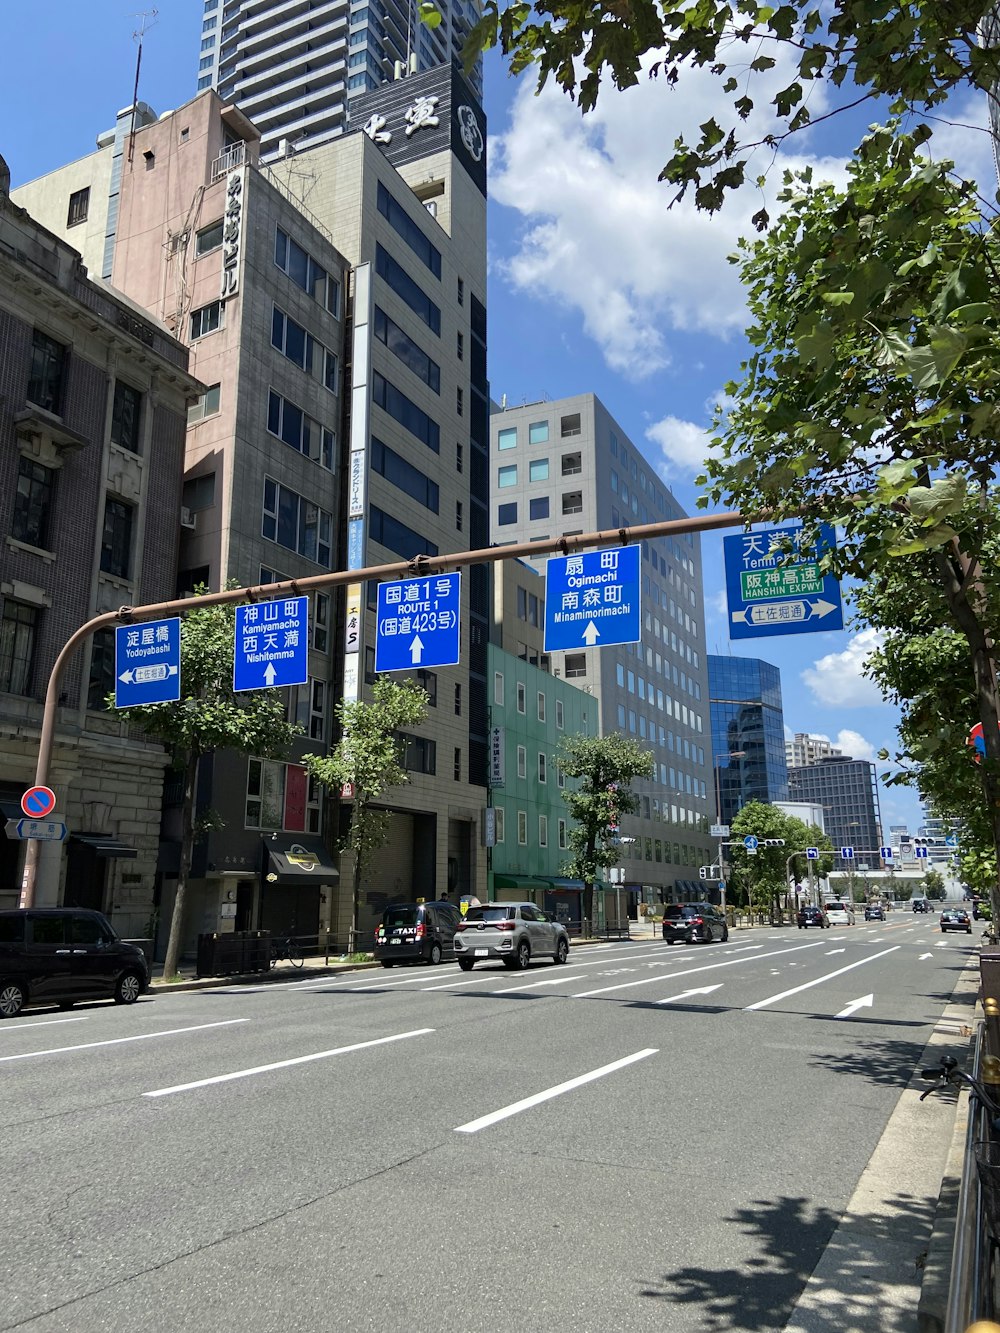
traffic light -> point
(774, 842)
(703, 872)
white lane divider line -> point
(42, 1023)
(818, 981)
(473, 1126)
(285, 1064)
(709, 967)
(120, 1041)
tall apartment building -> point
(847, 789)
(93, 400)
(340, 326)
(567, 467)
(748, 746)
(297, 67)
(805, 749)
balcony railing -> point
(228, 161)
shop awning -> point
(560, 885)
(298, 858)
(522, 883)
(105, 845)
(692, 890)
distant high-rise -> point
(293, 66)
(847, 789)
(747, 729)
(805, 749)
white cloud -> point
(598, 234)
(854, 744)
(836, 679)
(683, 446)
(968, 141)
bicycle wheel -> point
(295, 956)
(275, 954)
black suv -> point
(416, 933)
(59, 955)
(691, 922)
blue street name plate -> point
(418, 623)
(148, 663)
(770, 594)
(592, 599)
(272, 644)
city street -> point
(647, 1138)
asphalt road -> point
(647, 1138)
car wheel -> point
(128, 988)
(801, 927)
(66, 1004)
(465, 964)
(523, 956)
(12, 999)
(562, 951)
(725, 934)
(435, 955)
(969, 931)
(387, 962)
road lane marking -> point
(731, 962)
(285, 1064)
(120, 1041)
(43, 1023)
(773, 999)
(473, 1126)
(923, 956)
(863, 1002)
(831, 952)
(697, 990)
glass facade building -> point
(748, 733)
(847, 789)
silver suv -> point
(513, 932)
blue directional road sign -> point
(148, 663)
(418, 623)
(769, 593)
(885, 853)
(272, 644)
(46, 830)
(750, 843)
(592, 598)
(920, 853)
(951, 840)
(847, 853)
(812, 853)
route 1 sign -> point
(592, 599)
(272, 644)
(148, 663)
(418, 623)
(770, 593)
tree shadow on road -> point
(788, 1236)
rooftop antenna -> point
(137, 36)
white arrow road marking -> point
(416, 649)
(700, 990)
(709, 967)
(923, 956)
(818, 981)
(591, 634)
(473, 1126)
(831, 952)
(550, 981)
(269, 673)
(285, 1064)
(942, 944)
(120, 1041)
(865, 1002)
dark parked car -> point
(955, 918)
(59, 955)
(416, 933)
(922, 905)
(811, 915)
(874, 912)
(687, 923)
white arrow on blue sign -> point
(272, 644)
(886, 853)
(46, 830)
(750, 843)
(592, 599)
(920, 853)
(148, 663)
(812, 853)
(418, 623)
(847, 853)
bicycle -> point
(948, 1072)
(286, 950)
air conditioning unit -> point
(188, 519)
(431, 206)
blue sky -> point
(595, 285)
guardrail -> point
(971, 1293)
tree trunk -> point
(183, 870)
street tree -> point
(932, 885)
(763, 874)
(368, 758)
(604, 767)
(770, 62)
(868, 400)
(209, 716)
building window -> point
(18, 628)
(522, 828)
(303, 270)
(402, 346)
(32, 502)
(538, 469)
(461, 292)
(507, 476)
(538, 432)
(559, 715)
(458, 515)
(296, 523)
(572, 502)
(561, 776)
(206, 320)
(542, 767)
(543, 830)
(199, 492)
(459, 401)
(522, 761)
(402, 409)
(303, 350)
(419, 754)
(538, 507)
(576, 665)
(562, 835)
(428, 682)
(404, 226)
(498, 687)
(398, 470)
(125, 417)
(507, 438)
(208, 239)
(569, 425)
(291, 424)
(321, 622)
(79, 206)
(522, 697)
(206, 406)
(457, 768)
(396, 277)
(507, 514)
(45, 379)
(265, 803)
(102, 669)
(499, 823)
(317, 710)
(116, 540)
(460, 346)
(459, 458)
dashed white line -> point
(42, 1023)
(121, 1041)
(773, 999)
(731, 962)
